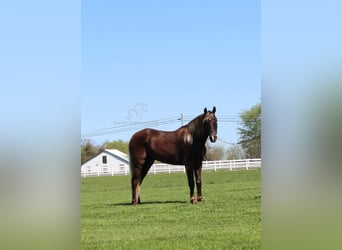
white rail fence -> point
(231, 165)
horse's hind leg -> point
(146, 167)
(135, 181)
(138, 174)
(135, 189)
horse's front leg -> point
(190, 175)
(198, 172)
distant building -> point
(107, 162)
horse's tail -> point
(131, 155)
(130, 161)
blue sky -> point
(152, 60)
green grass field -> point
(229, 218)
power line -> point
(131, 127)
(134, 125)
(224, 141)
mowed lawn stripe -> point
(228, 219)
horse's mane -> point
(195, 126)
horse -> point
(184, 146)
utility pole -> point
(181, 119)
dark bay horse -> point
(184, 146)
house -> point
(108, 162)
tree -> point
(119, 145)
(235, 152)
(250, 132)
(214, 153)
(88, 150)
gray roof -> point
(118, 154)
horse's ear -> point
(214, 109)
(205, 110)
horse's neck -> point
(197, 130)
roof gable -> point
(118, 154)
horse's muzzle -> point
(213, 138)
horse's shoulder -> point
(185, 136)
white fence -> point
(168, 168)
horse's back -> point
(146, 135)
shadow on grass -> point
(148, 202)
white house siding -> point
(117, 163)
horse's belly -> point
(170, 159)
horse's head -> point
(210, 123)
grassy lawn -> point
(229, 218)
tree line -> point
(249, 145)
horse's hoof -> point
(193, 200)
(200, 198)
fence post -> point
(247, 164)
